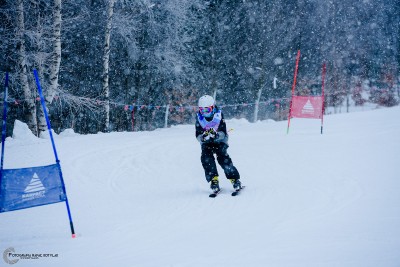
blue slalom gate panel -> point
(30, 187)
(35, 186)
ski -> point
(237, 191)
(234, 193)
(214, 194)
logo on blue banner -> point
(35, 189)
(30, 187)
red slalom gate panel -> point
(307, 107)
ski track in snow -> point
(141, 199)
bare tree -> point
(56, 54)
(54, 61)
(106, 63)
(29, 97)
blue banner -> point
(29, 187)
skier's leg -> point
(208, 162)
(226, 162)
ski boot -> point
(215, 184)
(236, 184)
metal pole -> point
(55, 151)
(133, 117)
(293, 87)
(3, 132)
(323, 96)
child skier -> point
(213, 137)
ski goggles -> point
(206, 110)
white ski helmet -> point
(206, 101)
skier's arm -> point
(221, 133)
(199, 132)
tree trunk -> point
(214, 63)
(23, 76)
(55, 62)
(106, 64)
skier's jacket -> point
(216, 122)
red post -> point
(323, 96)
(293, 88)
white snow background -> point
(141, 199)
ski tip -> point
(237, 192)
(213, 195)
(73, 235)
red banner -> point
(307, 107)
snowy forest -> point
(131, 65)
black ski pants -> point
(208, 161)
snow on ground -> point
(140, 199)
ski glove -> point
(209, 136)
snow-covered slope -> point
(140, 199)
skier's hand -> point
(209, 136)
(212, 133)
(205, 137)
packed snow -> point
(141, 199)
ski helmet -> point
(206, 101)
(206, 105)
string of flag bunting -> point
(182, 108)
(138, 106)
(179, 108)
